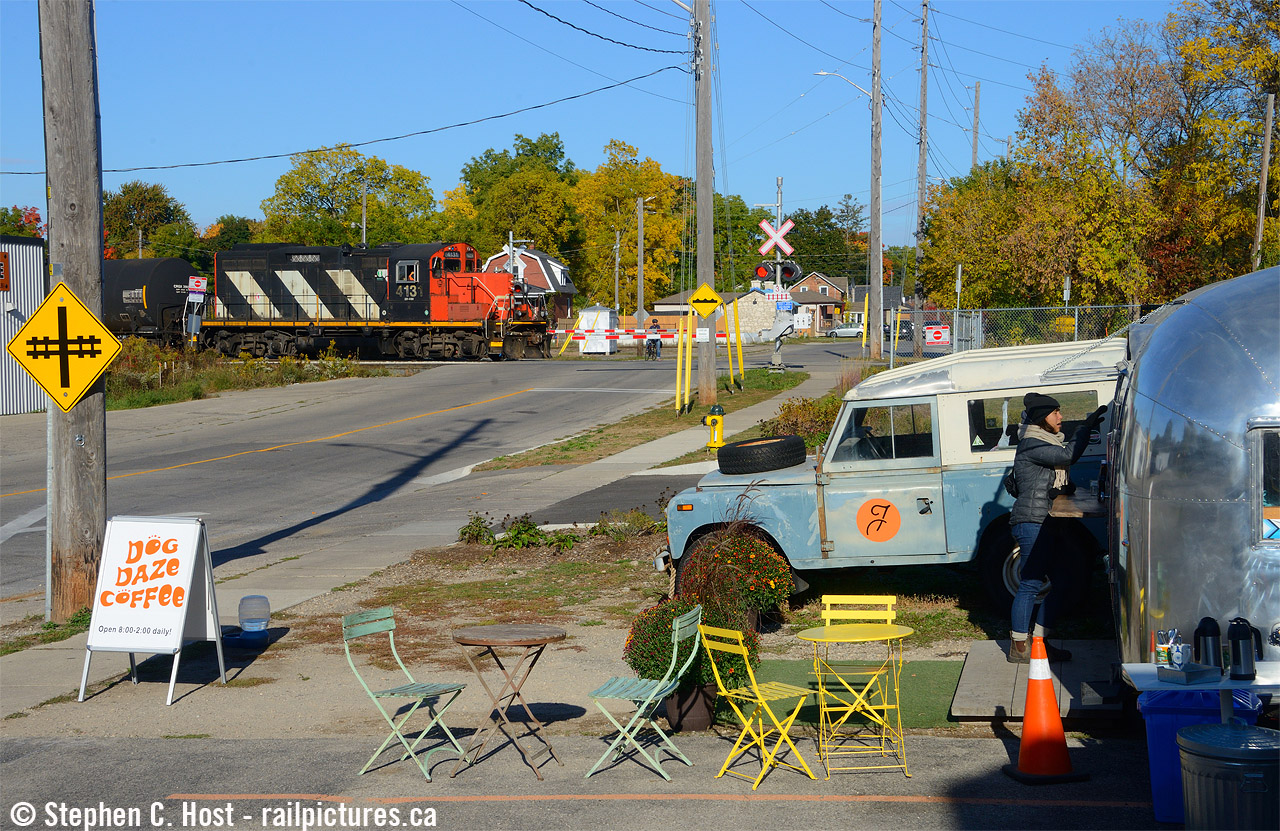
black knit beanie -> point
(1038, 406)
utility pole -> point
(705, 188)
(139, 242)
(921, 167)
(875, 261)
(77, 440)
(364, 210)
(1255, 253)
(617, 243)
(640, 262)
(977, 93)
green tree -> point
(21, 222)
(738, 238)
(179, 239)
(822, 243)
(533, 204)
(486, 171)
(318, 201)
(229, 230)
(138, 207)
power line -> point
(787, 31)
(371, 141)
(1003, 31)
(602, 37)
(629, 20)
(557, 55)
(663, 11)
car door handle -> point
(924, 505)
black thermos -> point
(1208, 642)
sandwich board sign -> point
(155, 592)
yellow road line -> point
(295, 443)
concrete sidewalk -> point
(37, 674)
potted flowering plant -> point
(762, 574)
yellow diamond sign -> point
(64, 347)
(705, 300)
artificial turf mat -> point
(926, 690)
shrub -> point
(648, 647)
(476, 530)
(737, 570)
(809, 418)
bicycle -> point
(651, 349)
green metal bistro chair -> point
(375, 622)
(646, 694)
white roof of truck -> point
(993, 369)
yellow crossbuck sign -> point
(64, 347)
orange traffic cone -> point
(1042, 755)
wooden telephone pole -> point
(705, 189)
(77, 487)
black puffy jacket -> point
(1033, 467)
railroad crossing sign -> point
(64, 347)
(776, 237)
(705, 300)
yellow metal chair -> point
(868, 688)
(720, 645)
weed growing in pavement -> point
(520, 532)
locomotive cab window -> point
(407, 272)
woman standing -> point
(1040, 469)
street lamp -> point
(875, 264)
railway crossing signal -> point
(776, 237)
(64, 347)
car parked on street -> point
(905, 331)
(847, 330)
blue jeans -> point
(1032, 565)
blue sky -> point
(196, 81)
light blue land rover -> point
(912, 472)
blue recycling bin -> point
(1165, 712)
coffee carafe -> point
(1208, 643)
(1245, 642)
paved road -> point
(283, 473)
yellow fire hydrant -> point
(715, 420)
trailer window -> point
(993, 422)
(1269, 470)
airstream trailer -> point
(1195, 462)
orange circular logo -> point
(879, 520)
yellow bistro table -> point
(846, 688)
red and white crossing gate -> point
(622, 334)
(776, 237)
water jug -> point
(255, 615)
(1245, 642)
(1208, 642)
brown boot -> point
(1019, 652)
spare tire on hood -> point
(760, 455)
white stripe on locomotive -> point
(304, 295)
(254, 294)
(362, 303)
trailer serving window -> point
(1266, 485)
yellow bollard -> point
(715, 420)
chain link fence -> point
(944, 331)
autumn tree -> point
(605, 200)
(318, 201)
(139, 208)
(230, 230)
(21, 222)
(737, 236)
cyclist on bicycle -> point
(653, 342)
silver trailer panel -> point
(1189, 535)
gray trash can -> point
(1230, 776)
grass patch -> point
(597, 443)
(926, 690)
(187, 736)
(49, 632)
(250, 682)
(147, 375)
